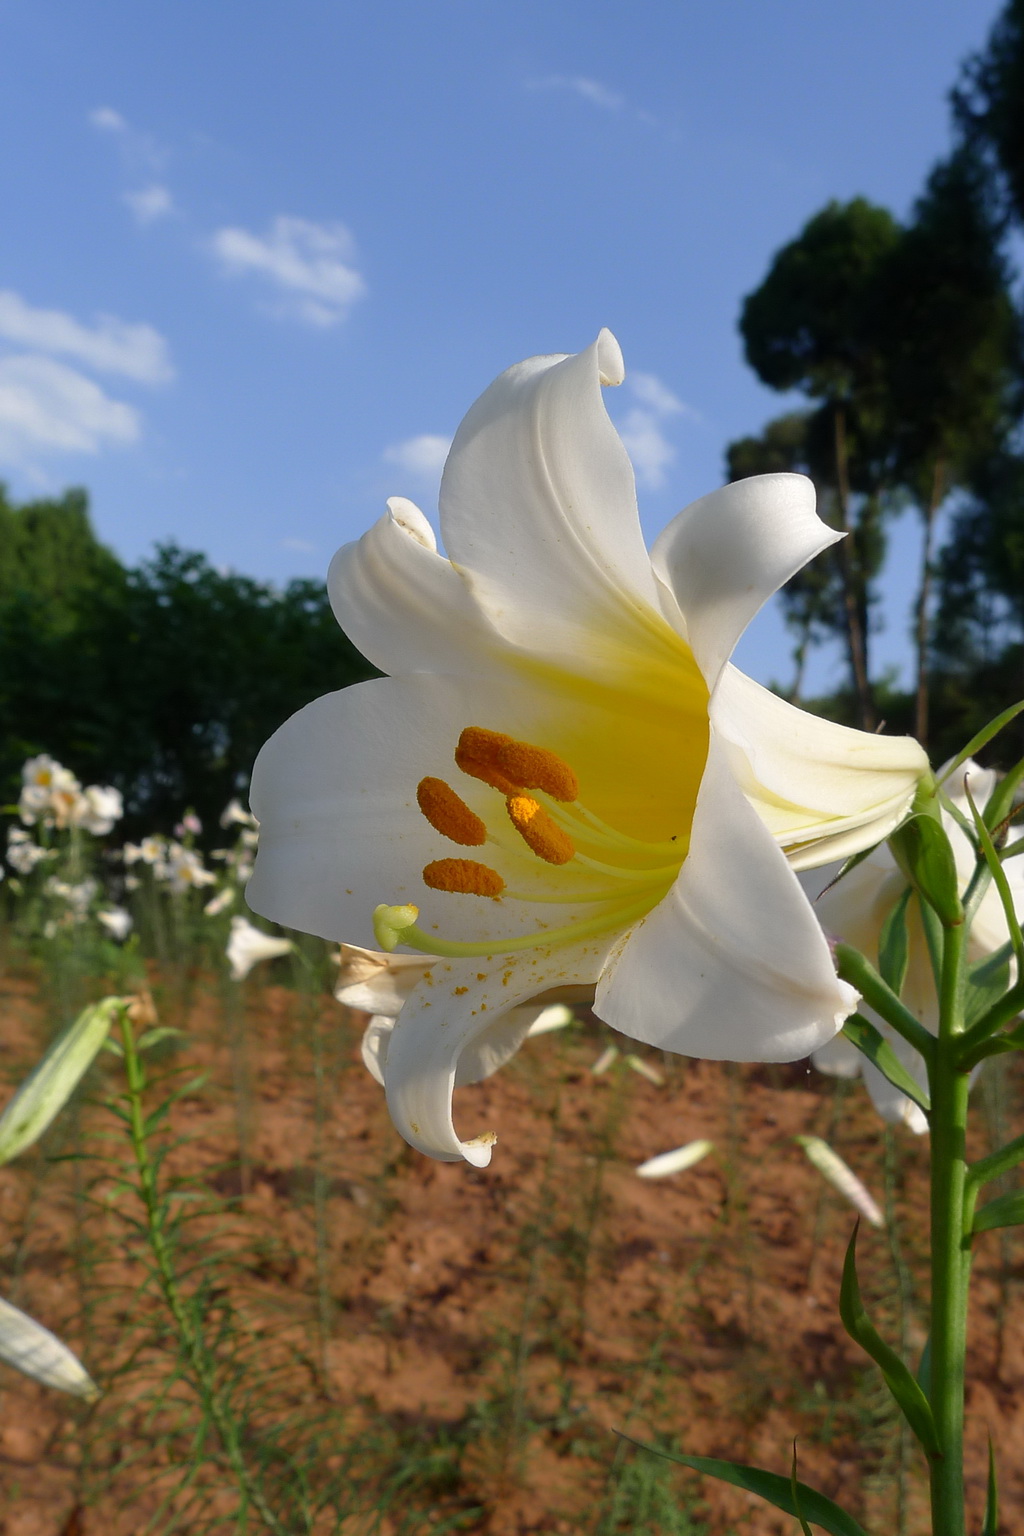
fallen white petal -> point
(674, 1162)
(36, 1352)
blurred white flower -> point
(247, 946)
(219, 903)
(77, 896)
(149, 851)
(189, 825)
(183, 869)
(116, 921)
(50, 793)
(22, 853)
(99, 806)
(235, 814)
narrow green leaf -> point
(894, 945)
(987, 980)
(794, 1488)
(850, 864)
(998, 873)
(1000, 807)
(907, 1392)
(154, 1036)
(1006, 1211)
(873, 1044)
(922, 850)
(924, 1367)
(982, 739)
(990, 1524)
(770, 1486)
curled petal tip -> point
(611, 366)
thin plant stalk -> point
(189, 1335)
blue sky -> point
(256, 261)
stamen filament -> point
(570, 816)
(645, 876)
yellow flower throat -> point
(541, 794)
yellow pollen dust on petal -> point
(477, 754)
(538, 831)
(449, 814)
(463, 876)
(538, 768)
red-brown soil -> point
(503, 1322)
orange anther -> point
(449, 814)
(463, 876)
(538, 831)
(477, 756)
(538, 768)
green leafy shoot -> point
(990, 1524)
(873, 1044)
(906, 1391)
(781, 1492)
(894, 945)
(794, 1488)
(999, 876)
(1006, 1211)
(982, 739)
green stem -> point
(853, 967)
(950, 1245)
(188, 1333)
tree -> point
(988, 104)
(811, 325)
(949, 345)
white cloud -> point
(46, 406)
(647, 446)
(650, 391)
(302, 546)
(641, 428)
(149, 203)
(107, 120)
(110, 346)
(422, 456)
(594, 91)
(310, 263)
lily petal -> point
(721, 559)
(732, 965)
(404, 605)
(538, 510)
(473, 1013)
(813, 781)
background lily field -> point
(417, 1347)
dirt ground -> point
(499, 1325)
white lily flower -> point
(183, 869)
(235, 814)
(50, 793)
(564, 700)
(36, 1352)
(219, 903)
(247, 946)
(855, 910)
(116, 921)
(98, 809)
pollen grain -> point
(463, 876)
(449, 814)
(538, 831)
